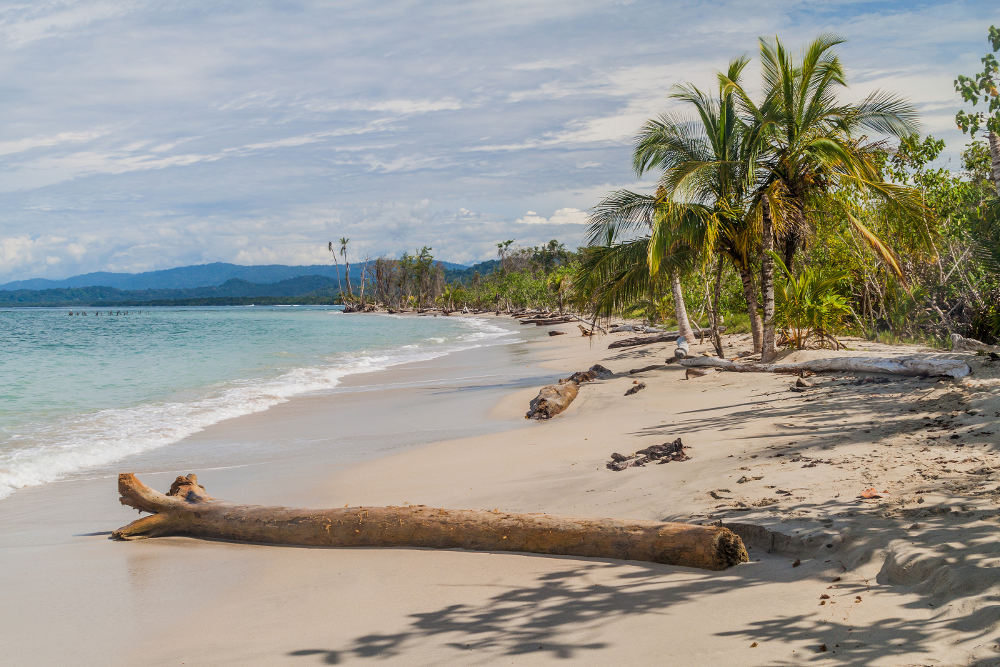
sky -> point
(144, 135)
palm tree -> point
(805, 142)
(347, 265)
(340, 285)
(706, 166)
(619, 274)
(700, 207)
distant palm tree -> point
(347, 270)
(340, 285)
(807, 141)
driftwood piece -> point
(908, 366)
(694, 373)
(962, 344)
(188, 510)
(635, 388)
(551, 400)
(621, 328)
(595, 372)
(554, 398)
(667, 337)
(554, 332)
(584, 331)
(665, 453)
(644, 369)
(549, 321)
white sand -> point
(912, 576)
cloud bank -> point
(137, 136)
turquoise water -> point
(79, 392)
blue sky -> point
(142, 135)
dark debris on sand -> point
(665, 453)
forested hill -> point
(201, 275)
(304, 289)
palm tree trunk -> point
(995, 155)
(680, 310)
(347, 274)
(340, 285)
(767, 351)
(714, 311)
(750, 294)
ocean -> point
(81, 392)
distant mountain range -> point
(206, 284)
(200, 275)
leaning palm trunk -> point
(750, 294)
(995, 155)
(767, 351)
(680, 310)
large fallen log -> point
(551, 400)
(554, 398)
(963, 344)
(188, 510)
(667, 337)
(908, 366)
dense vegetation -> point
(797, 215)
(801, 214)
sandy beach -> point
(908, 578)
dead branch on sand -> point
(908, 366)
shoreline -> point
(791, 463)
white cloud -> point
(563, 216)
(26, 144)
(146, 135)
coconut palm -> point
(807, 141)
(347, 265)
(706, 166)
(700, 205)
(340, 285)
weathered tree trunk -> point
(665, 337)
(960, 344)
(680, 310)
(995, 158)
(750, 295)
(909, 366)
(767, 351)
(188, 510)
(551, 400)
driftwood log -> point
(962, 344)
(551, 400)
(188, 510)
(667, 337)
(908, 366)
(554, 398)
(646, 369)
(595, 372)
